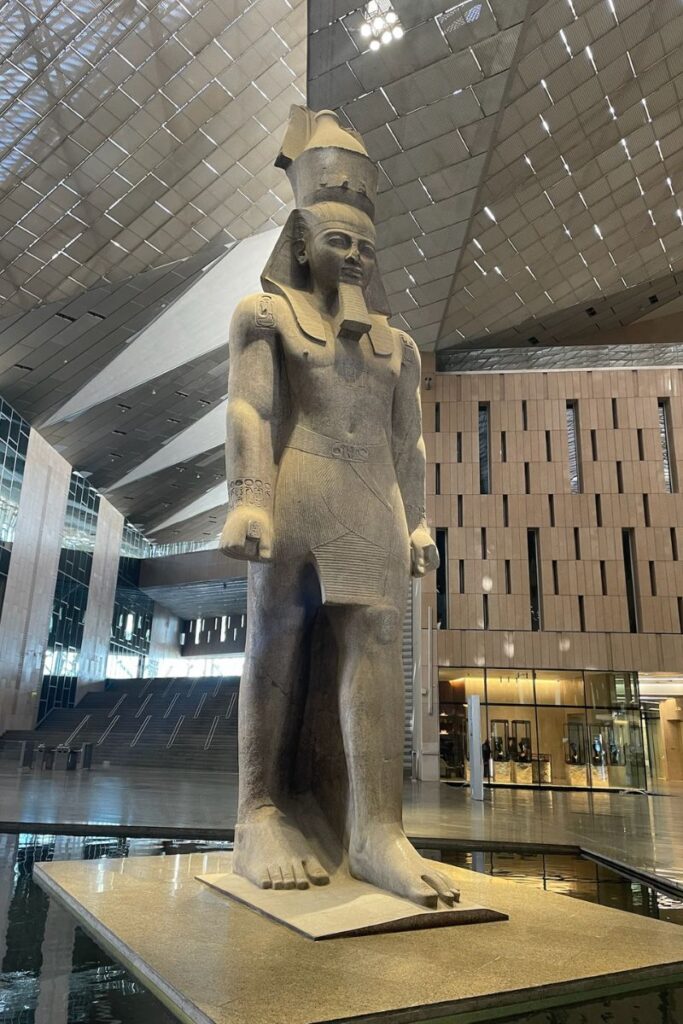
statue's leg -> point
(269, 846)
(371, 710)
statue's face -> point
(340, 251)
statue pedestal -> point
(214, 961)
(347, 907)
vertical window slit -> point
(577, 543)
(666, 445)
(594, 445)
(534, 579)
(556, 578)
(572, 420)
(484, 449)
(646, 509)
(551, 508)
(628, 546)
(508, 577)
(598, 510)
(437, 478)
(582, 614)
(620, 478)
(603, 578)
(442, 579)
(506, 511)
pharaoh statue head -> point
(335, 184)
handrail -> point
(72, 737)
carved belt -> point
(305, 440)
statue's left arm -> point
(410, 458)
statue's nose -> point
(354, 255)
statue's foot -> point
(272, 852)
(383, 856)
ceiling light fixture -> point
(380, 24)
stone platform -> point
(347, 907)
(213, 961)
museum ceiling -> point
(531, 171)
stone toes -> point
(299, 875)
(276, 876)
(316, 871)
(442, 887)
(288, 879)
(425, 895)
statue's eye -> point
(367, 250)
(339, 241)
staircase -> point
(188, 724)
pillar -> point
(101, 594)
(29, 594)
(164, 639)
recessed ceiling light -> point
(375, 44)
(387, 37)
(365, 30)
(398, 32)
(392, 18)
(378, 24)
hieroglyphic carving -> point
(248, 491)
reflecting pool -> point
(51, 972)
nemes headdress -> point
(325, 163)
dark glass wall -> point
(133, 610)
(71, 597)
(14, 433)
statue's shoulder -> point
(257, 313)
(410, 353)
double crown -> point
(326, 162)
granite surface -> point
(347, 906)
(213, 960)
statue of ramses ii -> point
(326, 478)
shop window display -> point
(544, 728)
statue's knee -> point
(382, 624)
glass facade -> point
(545, 728)
(71, 597)
(14, 433)
(131, 626)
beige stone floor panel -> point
(216, 961)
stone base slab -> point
(346, 907)
(214, 961)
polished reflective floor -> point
(53, 973)
(640, 831)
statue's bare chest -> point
(342, 370)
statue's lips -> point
(351, 274)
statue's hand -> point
(248, 534)
(424, 556)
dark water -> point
(51, 972)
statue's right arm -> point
(253, 419)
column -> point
(100, 607)
(164, 638)
(9, 846)
(25, 621)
